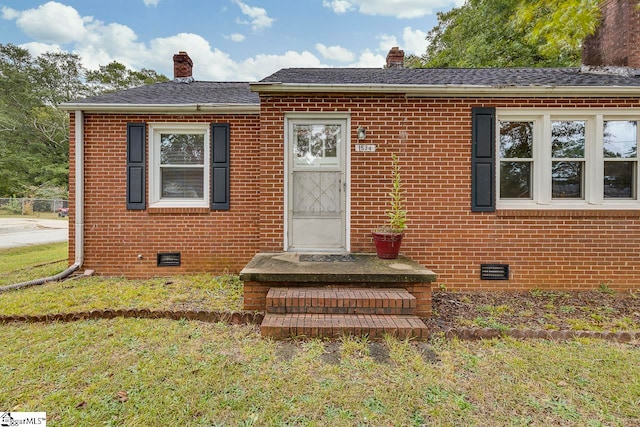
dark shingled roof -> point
(493, 77)
(239, 93)
(173, 93)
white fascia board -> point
(449, 90)
(164, 108)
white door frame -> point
(346, 151)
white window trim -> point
(155, 129)
(594, 158)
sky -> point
(228, 40)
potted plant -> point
(388, 237)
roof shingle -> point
(173, 93)
(492, 77)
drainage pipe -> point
(79, 213)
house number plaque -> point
(366, 148)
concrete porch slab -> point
(287, 267)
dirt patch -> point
(379, 352)
(331, 353)
(596, 310)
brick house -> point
(536, 169)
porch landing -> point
(328, 294)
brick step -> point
(283, 326)
(341, 301)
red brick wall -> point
(569, 249)
(617, 39)
(566, 249)
(215, 241)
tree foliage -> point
(115, 76)
(34, 145)
(510, 33)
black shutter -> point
(220, 166)
(483, 163)
(136, 166)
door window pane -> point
(515, 180)
(567, 180)
(619, 180)
(316, 144)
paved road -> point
(16, 232)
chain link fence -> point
(14, 206)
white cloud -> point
(387, 42)
(396, 8)
(259, 18)
(151, 2)
(368, 59)
(338, 6)
(335, 53)
(37, 48)
(9, 14)
(51, 22)
(263, 65)
(102, 43)
(236, 37)
(414, 41)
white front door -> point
(316, 181)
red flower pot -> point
(387, 244)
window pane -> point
(315, 143)
(620, 139)
(515, 180)
(567, 139)
(181, 149)
(516, 140)
(619, 180)
(182, 183)
(566, 180)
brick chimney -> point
(616, 42)
(395, 58)
(182, 66)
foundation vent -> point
(494, 271)
(168, 259)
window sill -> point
(177, 210)
(576, 213)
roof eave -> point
(163, 108)
(449, 90)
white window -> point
(180, 164)
(567, 159)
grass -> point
(156, 372)
(200, 292)
(44, 215)
(32, 262)
(140, 372)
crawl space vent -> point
(494, 271)
(169, 259)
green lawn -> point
(162, 372)
(141, 372)
(199, 292)
(32, 262)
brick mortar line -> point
(255, 318)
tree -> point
(34, 145)
(115, 76)
(510, 33)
